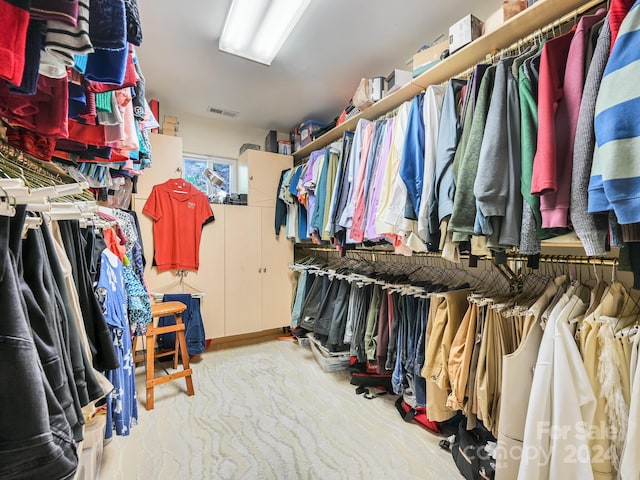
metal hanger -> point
(184, 285)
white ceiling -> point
(336, 43)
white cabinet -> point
(243, 265)
(258, 175)
(257, 279)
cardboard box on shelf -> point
(429, 55)
(170, 119)
(510, 8)
(169, 129)
(464, 31)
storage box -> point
(376, 88)
(304, 342)
(169, 129)
(306, 129)
(271, 142)
(284, 147)
(510, 8)
(329, 361)
(294, 138)
(464, 31)
(170, 119)
(429, 55)
(396, 79)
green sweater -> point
(464, 203)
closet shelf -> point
(539, 15)
(569, 240)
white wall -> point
(221, 138)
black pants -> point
(35, 437)
(99, 336)
(47, 324)
(311, 306)
(339, 320)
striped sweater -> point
(615, 173)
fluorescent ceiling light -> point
(257, 29)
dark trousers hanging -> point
(35, 437)
(47, 324)
(99, 336)
(89, 388)
(339, 320)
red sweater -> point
(14, 21)
(550, 129)
(617, 12)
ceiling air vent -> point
(223, 112)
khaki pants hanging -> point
(441, 329)
(471, 410)
(460, 358)
(496, 342)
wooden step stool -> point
(161, 310)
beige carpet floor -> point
(268, 411)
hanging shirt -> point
(433, 97)
(356, 203)
(309, 182)
(614, 174)
(441, 201)
(464, 203)
(377, 179)
(374, 132)
(553, 129)
(412, 163)
(179, 211)
(346, 217)
(591, 229)
(554, 201)
(393, 191)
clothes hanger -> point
(181, 274)
(8, 205)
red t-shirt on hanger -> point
(179, 211)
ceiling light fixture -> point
(257, 29)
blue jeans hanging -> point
(193, 326)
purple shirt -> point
(310, 186)
(382, 158)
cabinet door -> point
(264, 171)
(210, 278)
(243, 287)
(277, 254)
(167, 155)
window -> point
(194, 171)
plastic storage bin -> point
(306, 129)
(90, 458)
(329, 361)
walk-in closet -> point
(310, 239)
